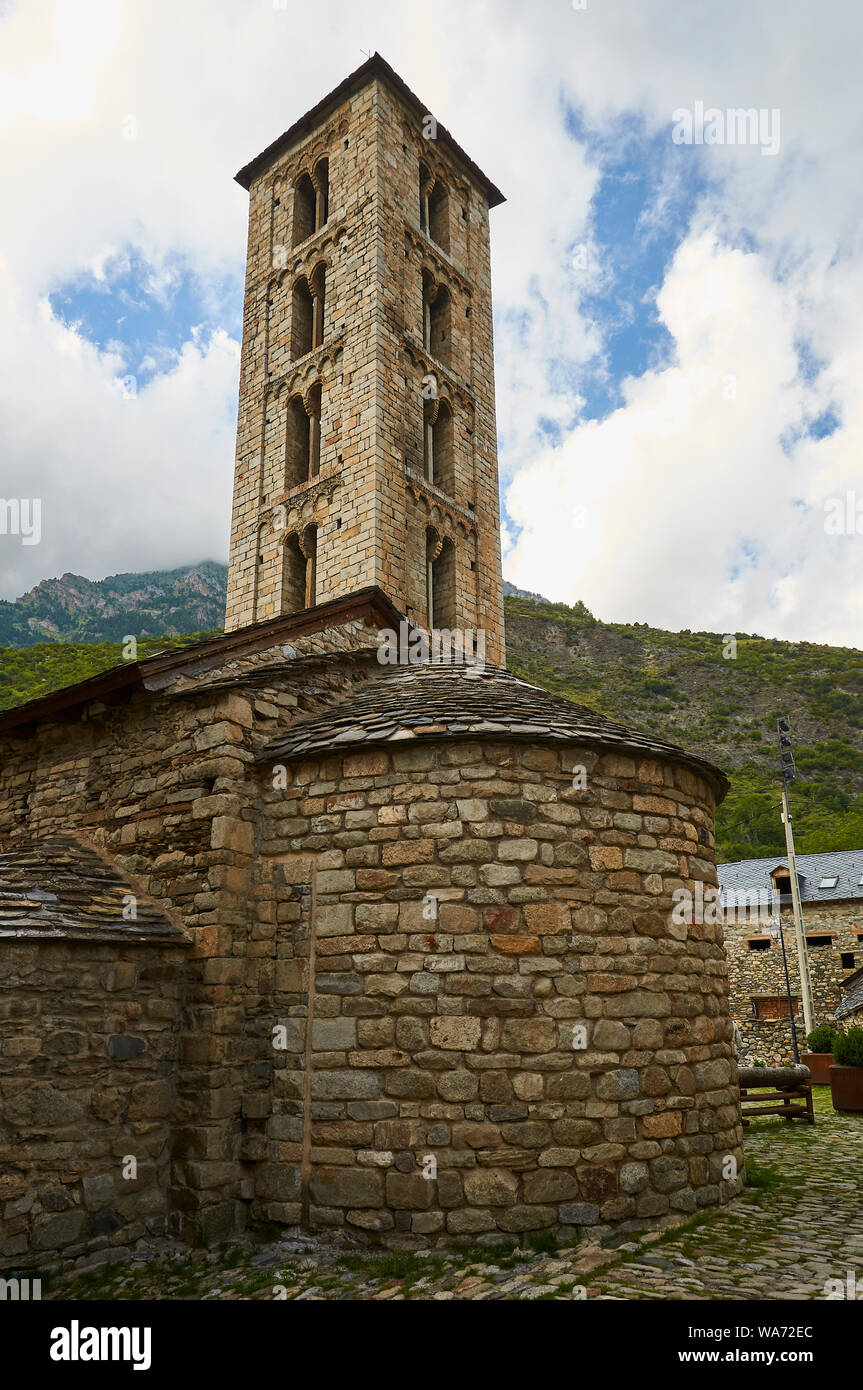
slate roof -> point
(56, 886)
(845, 865)
(154, 673)
(852, 997)
(457, 700)
(375, 66)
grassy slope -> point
(676, 685)
(679, 686)
(28, 672)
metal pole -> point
(802, 957)
(794, 1047)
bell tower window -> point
(436, 320)
(302, 319)
(438, 446)
(305, 200)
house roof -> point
(845, 865)
(375, 66)
(459, 700)
(117, 684)
(57, 887)
(852, 995)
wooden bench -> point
(788, 1093)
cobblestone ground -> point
(799, 1223)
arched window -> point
(438, 215)
(442, 471)
(322, 193)
(318, 287)
(440, 578)
(293, 576)
(297, 444)
(436, 320)
(313, 406)
(303, 438)
(302, 319)
(309, 547)
(299, 570)
(305, 209)
(434, 207)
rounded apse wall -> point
(510, 1031)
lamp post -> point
(776, 933)
(788, 773)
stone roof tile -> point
(56, 886)
(457, 700)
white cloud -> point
(692, 505)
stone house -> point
(753, 893)
(291, 933)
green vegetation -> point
(688, 688)
(28, 672)
(848, 1048)
(75, 609)
(685, 687)
(821, 1039)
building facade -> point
(290, 933)
(757, 893)
(366, 442)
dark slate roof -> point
(375, 66)
(845, 865)
(852, 996)
(153, 673)
(58, 887)
(458, 700)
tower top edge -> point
(375, 67)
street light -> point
(776, 933)
(788, 773)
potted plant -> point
(820, 1055)
(846, 1073)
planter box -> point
(819, 1064)
(846, 1087)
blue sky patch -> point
(146, 312)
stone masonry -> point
(833, 931)
(376, 384)
(485, 975)
(322, 941)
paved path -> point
(798, 1225)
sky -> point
(678, 332)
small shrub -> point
(848, 1048)
(821, 1038)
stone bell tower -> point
(366, 442)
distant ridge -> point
(678, 686)
(161, 603)
(510, 591)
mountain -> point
(715, 698)
(510, 591)
(74, 609)
(680, 686)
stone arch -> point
(304, 222)
(298, 442)
(437, 318)
(439, 455)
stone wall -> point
(89, 1065)
(462, 914)
(758, 973)
(161, 785)
(369, 503)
